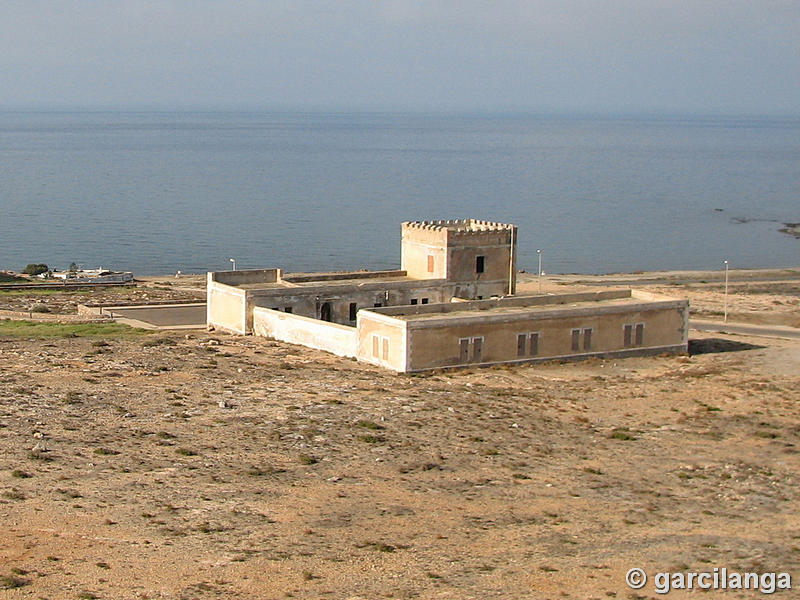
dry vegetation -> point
(192, 467)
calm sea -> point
(155, 192)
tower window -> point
(430, 263)
(353, 311)
(480, 264)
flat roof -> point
(511, 310)
(313, 283)
(525, 305)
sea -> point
(158, 192)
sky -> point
(619, 56)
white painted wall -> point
(321, 335)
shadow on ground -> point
(714, 345)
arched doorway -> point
(325, 312)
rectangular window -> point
(480, 264)
(463, 350)
(377, 305)
(534, 348)
(413, 301)
(576, 340)
(522, 341)
(385, 348)
(477, 349)
(424, 300)
(587, 339)
(430, 263)
(353, 311)
(640, 334)
(375, 346)
(627, 336)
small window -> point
(275, 308)
(377, 305)
(375, 346)
(477, 349)
(534, 348)
(522, 341)
(385, 348)
(424, 300)
(576, 340)
(587, 339)
(430, 263)
(353, 311)
(288, 309)
(627, 336)
(480, 264)
(480, 297)
(640, 334)
(463, 347)
(413, 301)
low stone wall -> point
(18, 315)
(321, 335)
(246, 276)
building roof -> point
(524, 306)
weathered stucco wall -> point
(309, 301)
(452, 249)
(382, 341)
(225, 307)
(494, 246)
(420, 242)
(246, 276)
(330, 337)
(438, 343)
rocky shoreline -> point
(791, 228)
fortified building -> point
(452, 303)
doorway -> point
(325, 312)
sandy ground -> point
(228, 467)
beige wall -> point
(225, 307)
(330, 337)
(246, 276)
(386, 330)
(418, 243)
(495, 246)
(439, 345)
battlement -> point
(463, 226)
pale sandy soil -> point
(230, 467)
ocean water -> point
(155, 192)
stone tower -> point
(477, 257)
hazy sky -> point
(711, 56)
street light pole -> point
(233, 260)
(539, 252)
(725, 318)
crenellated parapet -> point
(457, 225)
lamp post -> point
(725, 317)
(539, 252)
(233, 261)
